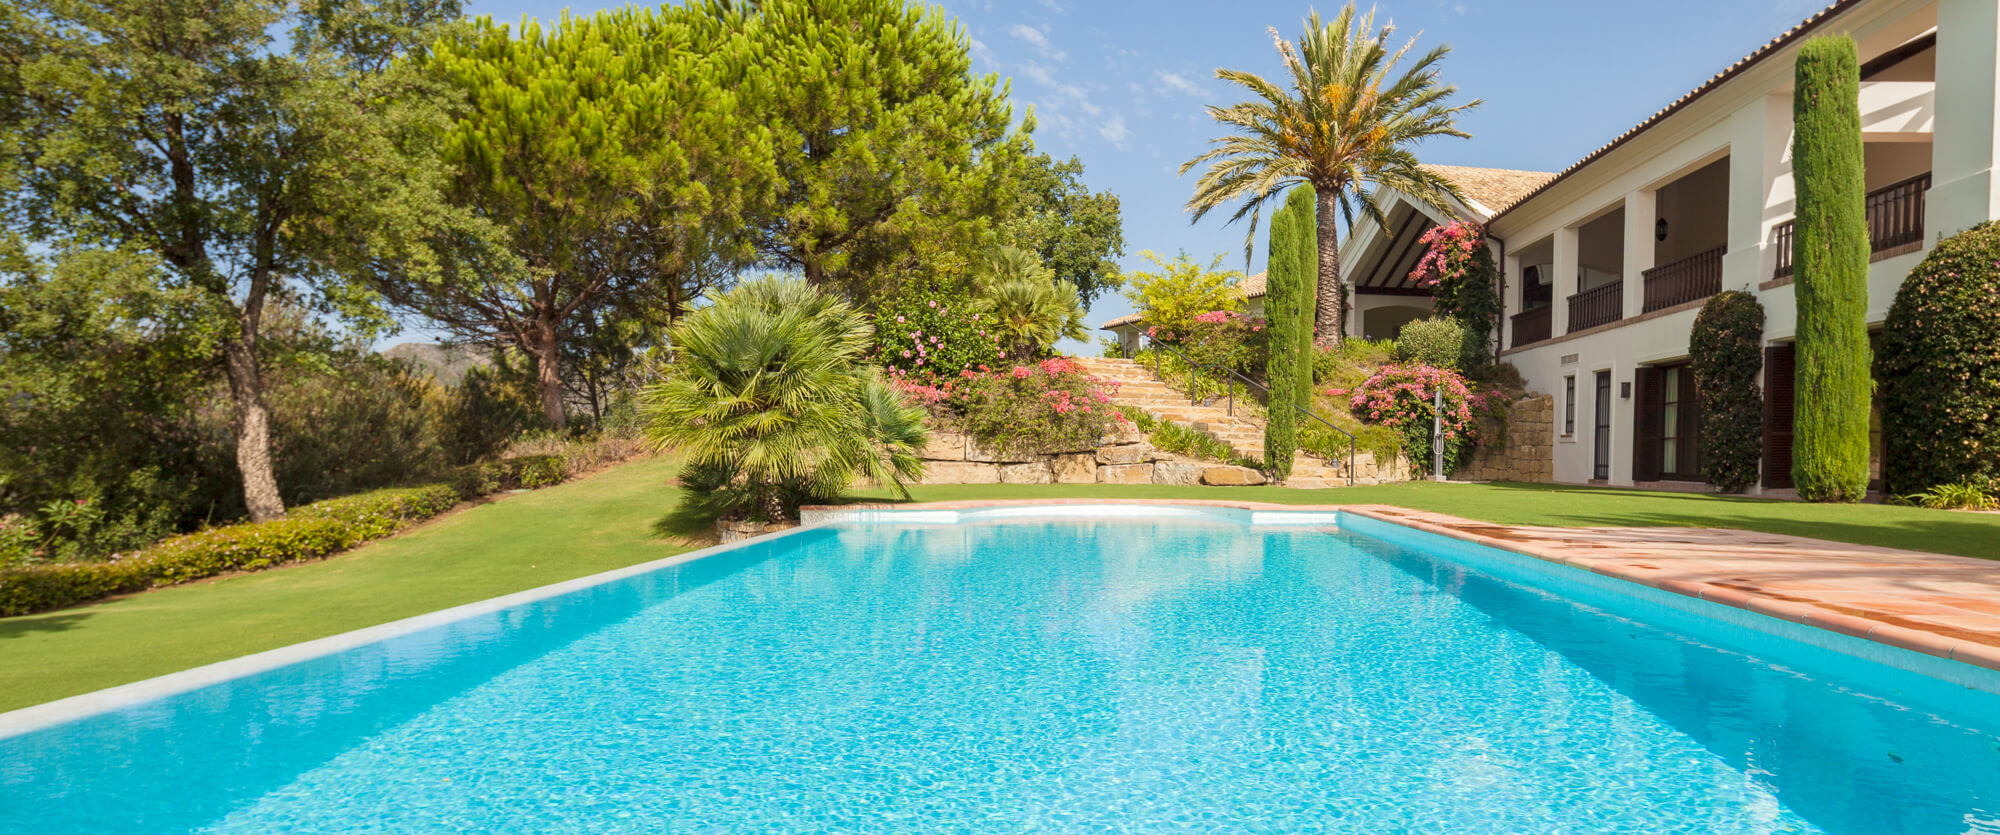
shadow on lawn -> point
(1910, 528)
(18, 627)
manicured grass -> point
(606, 521)
(624, 516)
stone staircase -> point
(1243, 431)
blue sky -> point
(1122, 84)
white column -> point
(1760, 189)
(1642, 208)
(1512, 299)
(1565, 280)
(1966, 144)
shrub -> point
(525, 472)
(1051, 406)
(1830, 441)
(1024, 306)
(1961, 495)
(1727, 347)
(311, 532)
(1400, 397)
(1168, 436)
(1228, 339)
(488, 408)
(1459, 270)
(930, 328)
(770, 386)
(1940, 368)
(1181, 290)
(1438, 342)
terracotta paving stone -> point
(1931, 603)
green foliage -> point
(617, 153)
(1346, 119)
(309, 533)
(1291, 281)
(1346, 364)
(1958, 495)
(929, 327)
(488, 408)
(1075, 231)
(1727, 346)
(769, 387)
(1940, 369)
(1168, 436)
(1182, 289)
(1830, 446)
(1404, 398)
(1024, 306)
(1437, 341)
(890, 152)
(1459, 270)
(1226, 339)
(1026, 410)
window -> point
(1670, 423)
(1569, 405)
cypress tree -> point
(1830, 447)
(1290, 289)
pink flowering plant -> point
(1020, 410)
(929, 331)
(1464, 281)
(1402, 397)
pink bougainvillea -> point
(1403, 397)
(1448, 252)
(1048, 406)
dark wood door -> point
(1779, 364)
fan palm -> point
(1029, 310)
(769, 400)
(1346, 119)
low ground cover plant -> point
(1167, 436)
(1960, 495)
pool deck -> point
(1931, 603)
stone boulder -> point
(960, 472)
(1035, 472)
(1075, 468)
(1231, 476)
(1177, 472)
(1125, 474)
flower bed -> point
(1402, 397)
(1050, 406)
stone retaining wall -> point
(1120, 457)
(1526, 453)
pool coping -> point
(1585, 549)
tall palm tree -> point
(1346, 120)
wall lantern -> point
(1660, 229)
(1625, 391)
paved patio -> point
(1938, 605)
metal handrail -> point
(1230, 376)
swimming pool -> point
(1143, 669)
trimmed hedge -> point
(1830, 440)
(310, 532)
(1727, 346)
(1940, 369)
(1438, 342)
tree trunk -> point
(548, 370)
(253, 425)
(1330, 317)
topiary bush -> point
(1290, 296)
(1830, 441)
(1438, 342)
(1940, 369)
(1727, 346)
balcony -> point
(1531, 326)
(1895, 218)
(1597, 306)
(1693, 278)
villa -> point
(1607, 263)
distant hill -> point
(446, 363)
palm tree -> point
(1030, 310)
(771, 403)
(1346, 120)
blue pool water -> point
(1189, 674)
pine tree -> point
(1830, 448)
(1290, 285)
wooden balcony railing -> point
(1597, 306)
(1531, 326)
(1895, 218)
(1692, 278)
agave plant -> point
(1346, 119)
(1029, 310)
(772, 403)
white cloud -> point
(1178, 82)
(1036, 39)
(981, 53)
(1113, 130)
(1054, 6)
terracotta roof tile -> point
(1492, 188)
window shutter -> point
(1649, 430)
(1778, 366)
(1689, 464)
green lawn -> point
(623, 516)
